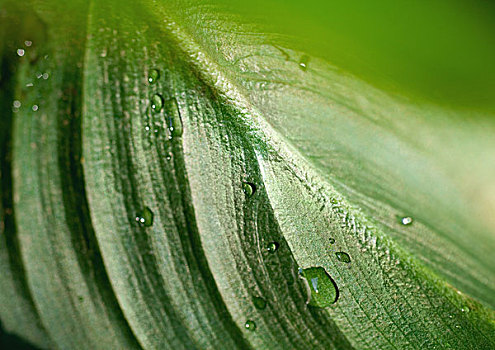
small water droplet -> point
(332, 240)
(145, 218)
(46, 76)
(153, 76)
(174, 119)
(35, 108)
(273, 247)
(28, 43)
(407, 220)
(324, 291)
(157, 103)
(250, 325)
(248, 188)
(344, 257)
(303, 62)
(259, 303)
(16, 104)
(314, 284)
(20, 52)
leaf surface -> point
(326, 158)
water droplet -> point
(407, 220)
(145, 218)
(248, 188)
(303, 62)
(35, 108)
(153, 76)
(16, 104)
(314, 284)
(344, 257)
(332, 240)
(273, 247)
(157, 103)
(20, 52)
(259, 303)
(46, 76)
(324, 291)
(174, 119)
(28, 43)
(250, 325)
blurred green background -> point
(441, 50)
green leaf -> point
(172, 166)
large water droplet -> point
(344, 257)
(153, 76)
(259, 303)
(303, 62)
(157, 103)
(248, 188)
(174, 119)
(407, 220)
(20, 52)
(145, 218)
(273, 247)
(250, 325)
(324, 291)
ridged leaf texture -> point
(175, 177)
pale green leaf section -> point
(390, 155)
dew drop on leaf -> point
(407, 220)
(157, 103)
(259, 303)
(344, 257)
(250, 325)
(153, 76)
(174, 119)
(145, 218)
(324, 291)
(248, 188)
(273, 247)
(303, 62)
(332, 240)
